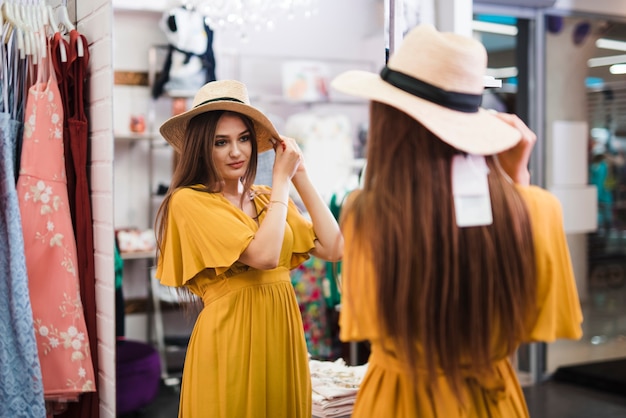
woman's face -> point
(232, 147)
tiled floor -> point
(549, 399)
(604, 338)
(552, 399)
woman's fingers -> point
(528, 136)
(288, 155)
(515, 160)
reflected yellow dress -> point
(386, 390)
(247, 354)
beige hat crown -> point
(229, 95)
(438, 79)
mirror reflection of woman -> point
(233, 244)
(452, 259)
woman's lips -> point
(236, 165)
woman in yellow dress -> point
(232, 244)
(452, 259)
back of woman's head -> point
(462, 293)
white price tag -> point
(470, 187)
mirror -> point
(287, 70)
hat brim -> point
(173, 129)
(480, 133)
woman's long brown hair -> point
(465, 295)
(195, 165)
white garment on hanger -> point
(327, 147)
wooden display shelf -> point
(144, 305)
(135, 255)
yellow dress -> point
(386, 390)
(247, 354)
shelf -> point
(492, 81)
(357, 163)
(279, 100)
(154, 6)
(137, 255)
(160, 142)
(174, 343)
(144, 305)
(157, 199)
(180, 94)
(156, 140)
(132, 137)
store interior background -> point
(351, 34)
(345, 43)
(584, 89)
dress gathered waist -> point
(225, 285)
(253, 278)
(491, 382)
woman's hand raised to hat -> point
(515, 160)
(288, 158)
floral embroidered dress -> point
(50, 249)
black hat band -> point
(219, 99)
(463, 102)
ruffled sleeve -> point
(559, 312)
(204, 231)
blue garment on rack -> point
(21, 385)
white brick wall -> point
(94, 19)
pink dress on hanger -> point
(50, 247)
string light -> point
(252, 15)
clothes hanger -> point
(64, 18)
(24, 18)
(36, 30)
(10, 13)
(55, 28)
(41, 17)
(39, 10)
(7, 26)
(25, 21)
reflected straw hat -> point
(437, 78)
(230, 95)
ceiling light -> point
(244, 15)
(601, 61)
(503, 72)
(594, 82)
(496, 28)
(618, 69)
(611, 44)
(490, 81)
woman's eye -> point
(220, 143)
(244, 138)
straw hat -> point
(228, 95)
(438, 79)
